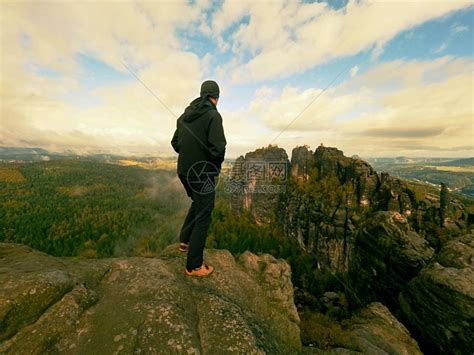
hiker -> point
(200, 142)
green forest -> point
(90, 209)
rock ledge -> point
(145, 305)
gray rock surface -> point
(373, 330)
(144, 305)
(387, 254)
(257, 179)
(439, 303)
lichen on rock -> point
(438, 304)
(144, 305)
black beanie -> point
(209, 88)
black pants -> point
(198, 219)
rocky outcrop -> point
(387, 255)
(438, 304)
(327, 233)
(373, 229)
(329, 161)
(443, 202)
(356, 172)
(328, 197)
(372, 330)
(256, 181)
(144, 305)
(302, 161)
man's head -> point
(210, 89)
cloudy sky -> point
(373, 78)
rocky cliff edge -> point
(145, 305)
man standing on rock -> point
(200, 142)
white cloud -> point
(441, 48)
(394, 107)
(294, 105)
(459, 28)
(244, 132)
(288, 38)
(417, 107)
(354, 70)
(50, 35)
(228, 14)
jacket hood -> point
(197, 108)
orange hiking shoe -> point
(183, 247)
(203, 270)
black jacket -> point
(199, 139)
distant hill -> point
(18, 155)
(457, 173)
(458, 162)
(39, 154)
(20, 150)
